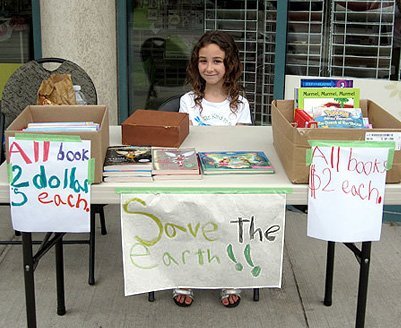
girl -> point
(214, 72)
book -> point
(127, 179)
(238, 162)
(168, 161)
(312, 100)
(347, 118)
(326, 83)
(127, 158)
(61, 127)
(178, 177)
(128, 173)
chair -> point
(21, 90)
(171, 104)
(22, 86)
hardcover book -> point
(312, 100)
(168, 161)
(128, 158)
(238, 162)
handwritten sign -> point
(49, 186)
(202, 240)
(346, 192)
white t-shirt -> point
(215, 113)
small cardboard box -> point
(291, 143)
(65, 113)
(155, 128)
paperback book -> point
(61, 127)
(128, 158)
(237, 162)
(314, 100)
(326, 83)
(173, 161)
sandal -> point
(225, 294)
(183, 292)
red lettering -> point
(42, 196)
(58, 200)
(18, 150)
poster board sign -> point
(346, 189)
(202, 240)
(50, 179)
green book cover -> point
(312, 99)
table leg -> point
(92, 235)
(60, 276)
(363, 284)
(28, 263)
(328, 292)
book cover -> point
(174, 161)
(347, 118)
(127, 157)
(225, 162)
(326, 83)
(312, 100)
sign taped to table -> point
(346, 190)
(202, 240)
(50, 179)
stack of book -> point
(235, 162)
(61, 127)
(127, 164)
(173, 164)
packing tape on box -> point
(355, 144)
(179, 190)
(91, 170)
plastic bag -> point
(56, 90)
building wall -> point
(85, 33)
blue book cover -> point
(326, 83)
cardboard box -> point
(155, 128)
(64, 113)
(291, 143)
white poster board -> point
(202, 240)
(49, 183)
(346, 190)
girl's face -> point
(211, 64)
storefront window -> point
(16, 41)
(161, 35)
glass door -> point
(16, 39)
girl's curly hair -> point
(232, 65)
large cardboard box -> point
(291, 143)
(65, 113)
(155, 128)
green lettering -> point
(143, 251)
(154, 218)
(168, 259)
(209, 227)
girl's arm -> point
(244, 113)
(185, 107)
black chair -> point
(21, 90)
(171, 104)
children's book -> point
(238, 162)
(127, 179)
(347, 118)
(313, 100)
(128, 158)
(168, 161)
(326, 83)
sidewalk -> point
(297, 304)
